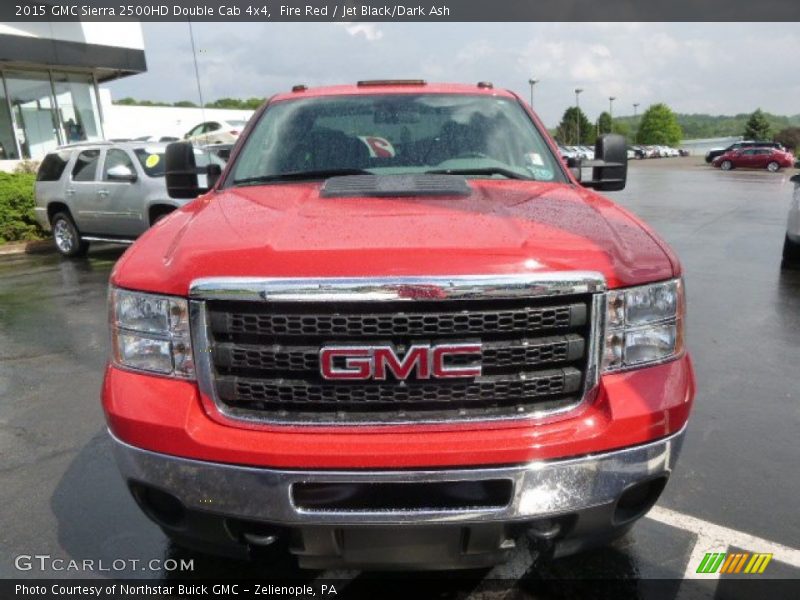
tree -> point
(622, 128)
(659, 126)
(567, 130)
(758, 127)
(185, 104)
(789, 137)
(604, 122)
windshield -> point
(152, 160)
(481, 136)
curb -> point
(33, 247)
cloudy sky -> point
(717, 68)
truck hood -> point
(502, 227)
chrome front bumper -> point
(539, 489)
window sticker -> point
(378, 147)
(535, 159)
(152, 161)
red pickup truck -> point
(397, 331)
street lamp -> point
(532, 82)
(578, 114)
(635, 123)
(611, 106)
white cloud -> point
(370, 31)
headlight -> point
(644, 325)
(151, 333)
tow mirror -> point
(180, 170)
(795, 179)
(610, 166)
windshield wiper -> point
(482, 171)
(299, 176)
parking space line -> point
(717, 538)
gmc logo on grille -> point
(359, 363)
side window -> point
(196, 131)
(212, 127)
(53, 166)
(85, 168)
(117, 158)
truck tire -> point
(791, 254)
(66, 236)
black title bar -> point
(391, 10)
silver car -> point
(104, 191)
(791, 247)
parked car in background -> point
(587, 152)
(215, 132)
(791, 245)
(104, 191)
(716, 152)
(638, 151)
(771, 159)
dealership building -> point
(49, 81)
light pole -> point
(532, 82)
(578, 114)
(635, 122)
(611, 110)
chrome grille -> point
(260, 357)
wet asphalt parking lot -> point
(736, 485)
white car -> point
(587, 152)
(791, 246)
(216, 132)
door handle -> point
(102, 193)
(69, 192)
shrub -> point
(27, 166)
(17, 221)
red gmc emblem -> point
(359, 363)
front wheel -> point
(66, 236)
(773, 167)
(726, 165)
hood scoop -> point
(395, 185)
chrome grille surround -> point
(406, 290)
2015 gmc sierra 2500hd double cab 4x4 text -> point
(397, 331)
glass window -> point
(196, 130)
(85, 168)
(117, 158)
(8, 142)
(387, 134)
(53, 166)
(152, 159)
(212, 127)
(32, 106)
(77, 106)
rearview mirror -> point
(121, 173)
(610, 166)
